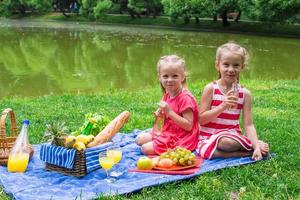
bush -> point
(102, 7)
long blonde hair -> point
(175, 61)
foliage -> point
(22, 6)
(95, 9)
(137, 6)
(273, 10)
(87, 8)
(263, 10)
(147, 7)
(102, 7)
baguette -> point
(111, 129)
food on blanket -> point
(83, 138)
(144, 163)
(155, 161)
(111, 129)
(165, 163)
(56, 133)
(180, 156)
(91, 138)
(80, 146)
(70, 141)
(88, 129)
(100, 122)
(17, 162)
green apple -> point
(144, 163)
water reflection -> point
(38, 61)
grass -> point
(275, 115)
(243, 26)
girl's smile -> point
(171, 78)
(230, 66)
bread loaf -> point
(111, 129)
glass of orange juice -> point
(106, 163)
(115, 152)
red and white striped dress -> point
(225, 124)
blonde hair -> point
(235, 49)
(175, 61)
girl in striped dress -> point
(220, 108)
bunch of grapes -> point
(180, 156)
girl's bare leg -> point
(148, 148)
(228, 147)
(222, 154)
(143, 138)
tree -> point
(273, 10)
(147, 7)
(101, 8)
(8, 7)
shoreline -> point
(140, 24)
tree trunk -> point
(215, 18)
(224, 18)
(186, 20)
(22, 9)
(238, 17)
(131, 13)
(197, 20)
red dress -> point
(172, 135)
(226, 124)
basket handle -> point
(13, 127)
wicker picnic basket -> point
(7, 142)
(79, 169)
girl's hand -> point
(164, 108)
(256, 154)
(158, 113)
(230, 100)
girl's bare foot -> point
(264, 147)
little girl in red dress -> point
(178, 107)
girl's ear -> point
(217, 65)
(158, 76)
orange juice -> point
(17, 162)
(106, 162)
(115, 154)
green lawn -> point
(276, 115)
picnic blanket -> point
(39, 184)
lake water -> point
(53, 58)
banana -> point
(91, 138)
(83, 138)
(80, 146)
(70, 141)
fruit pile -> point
(78, 142)
(180, 156)
(175, 157)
